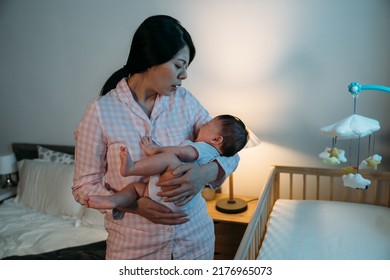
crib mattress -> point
(326, 230)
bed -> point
(44, 221)
(307, 213)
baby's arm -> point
(184, 153)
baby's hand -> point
(148, 146)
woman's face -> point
(165, 78)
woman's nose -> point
(183, 74)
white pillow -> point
(54, 156)
(46, 187)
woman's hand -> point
(188, 181)
(155, 212)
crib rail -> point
(326, 184)
(308, 184)
(255, 231)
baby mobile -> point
(353, 128)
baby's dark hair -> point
(235, 135)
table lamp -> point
(8, 167)
(233, 205)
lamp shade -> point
(253, 140)
(7, 164)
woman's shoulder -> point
(109, 97)
(99, 100)
(121, 92)
(105, 103)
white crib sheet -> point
(326, 230)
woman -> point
(145, 98)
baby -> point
(224, 135)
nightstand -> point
(229, 228)
(7, 193)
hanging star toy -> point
(371, 162)
(349, 170)
(333, 156)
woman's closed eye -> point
(181, 66)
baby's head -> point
(234, 133)
(226, 133)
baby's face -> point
(209, 131)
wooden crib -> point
(315, 184)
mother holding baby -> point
(146, 98)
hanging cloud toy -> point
(352, 127)
(355, 181)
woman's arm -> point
(191, 179)
(89, 169)
(155, 212)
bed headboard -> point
(30, 150)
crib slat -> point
(388, 195)
(331, 188)
(317, 187)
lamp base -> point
(8, 182)
(231, 206)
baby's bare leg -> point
(127, 163)
(123, 198)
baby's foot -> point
(127, 164)
(101, 202)
(148, 146)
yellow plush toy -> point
(333, 156)
(371, 162)
(349, 170)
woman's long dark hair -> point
(157, 40)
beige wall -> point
(282, 66)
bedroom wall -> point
(282, 66)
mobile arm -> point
(355, 88)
